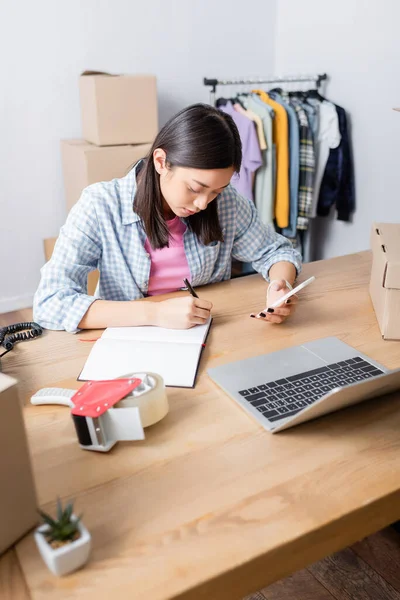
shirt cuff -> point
(282, 258)
(76, 311)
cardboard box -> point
(385, 278)
(93, 276)
(84, 164)
(118, 109)
(18, 503)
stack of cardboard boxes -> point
(119, 124)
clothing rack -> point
(213, 83)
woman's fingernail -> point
(270, 310)
(288, 301)
(263, 314)
(254, 316)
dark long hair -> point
(198, 137)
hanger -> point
(300, 94)
(237, 100)
(222, 101)
(314, 93)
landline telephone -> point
(19, 332)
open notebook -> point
(172, 353)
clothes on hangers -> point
(294, 163)
(281, 140)
(256, 119)
(251, 153)
(264, 195)
(312, 112)
(323, 157)
(328, 137)
(337, 186)
(272, 158)
(304, 165)
(307, 168)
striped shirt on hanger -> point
(307, 168)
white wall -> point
(44, 45)
(359, 47)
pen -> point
(189, 287)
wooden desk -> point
(211, 506)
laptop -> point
(285, 388)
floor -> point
(368, 570)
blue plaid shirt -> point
(103, 232)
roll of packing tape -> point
(150, 397)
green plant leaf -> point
(69, 530)
(67, 533)
(69, 509)
(63, 528)
(47, 518)
(59, 509)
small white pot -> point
(67, 558)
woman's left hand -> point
(280, 314)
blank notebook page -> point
(173, 354)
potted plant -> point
(64, 542)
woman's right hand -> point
(182, 313)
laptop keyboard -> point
(285, 397)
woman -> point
(174, 215)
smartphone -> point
(292, 292)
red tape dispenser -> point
(105, 412)
(98, 425)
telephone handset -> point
(19, 332)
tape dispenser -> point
(106, 412)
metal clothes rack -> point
(213, 83)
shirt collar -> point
(127, 194)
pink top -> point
(169, 265)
